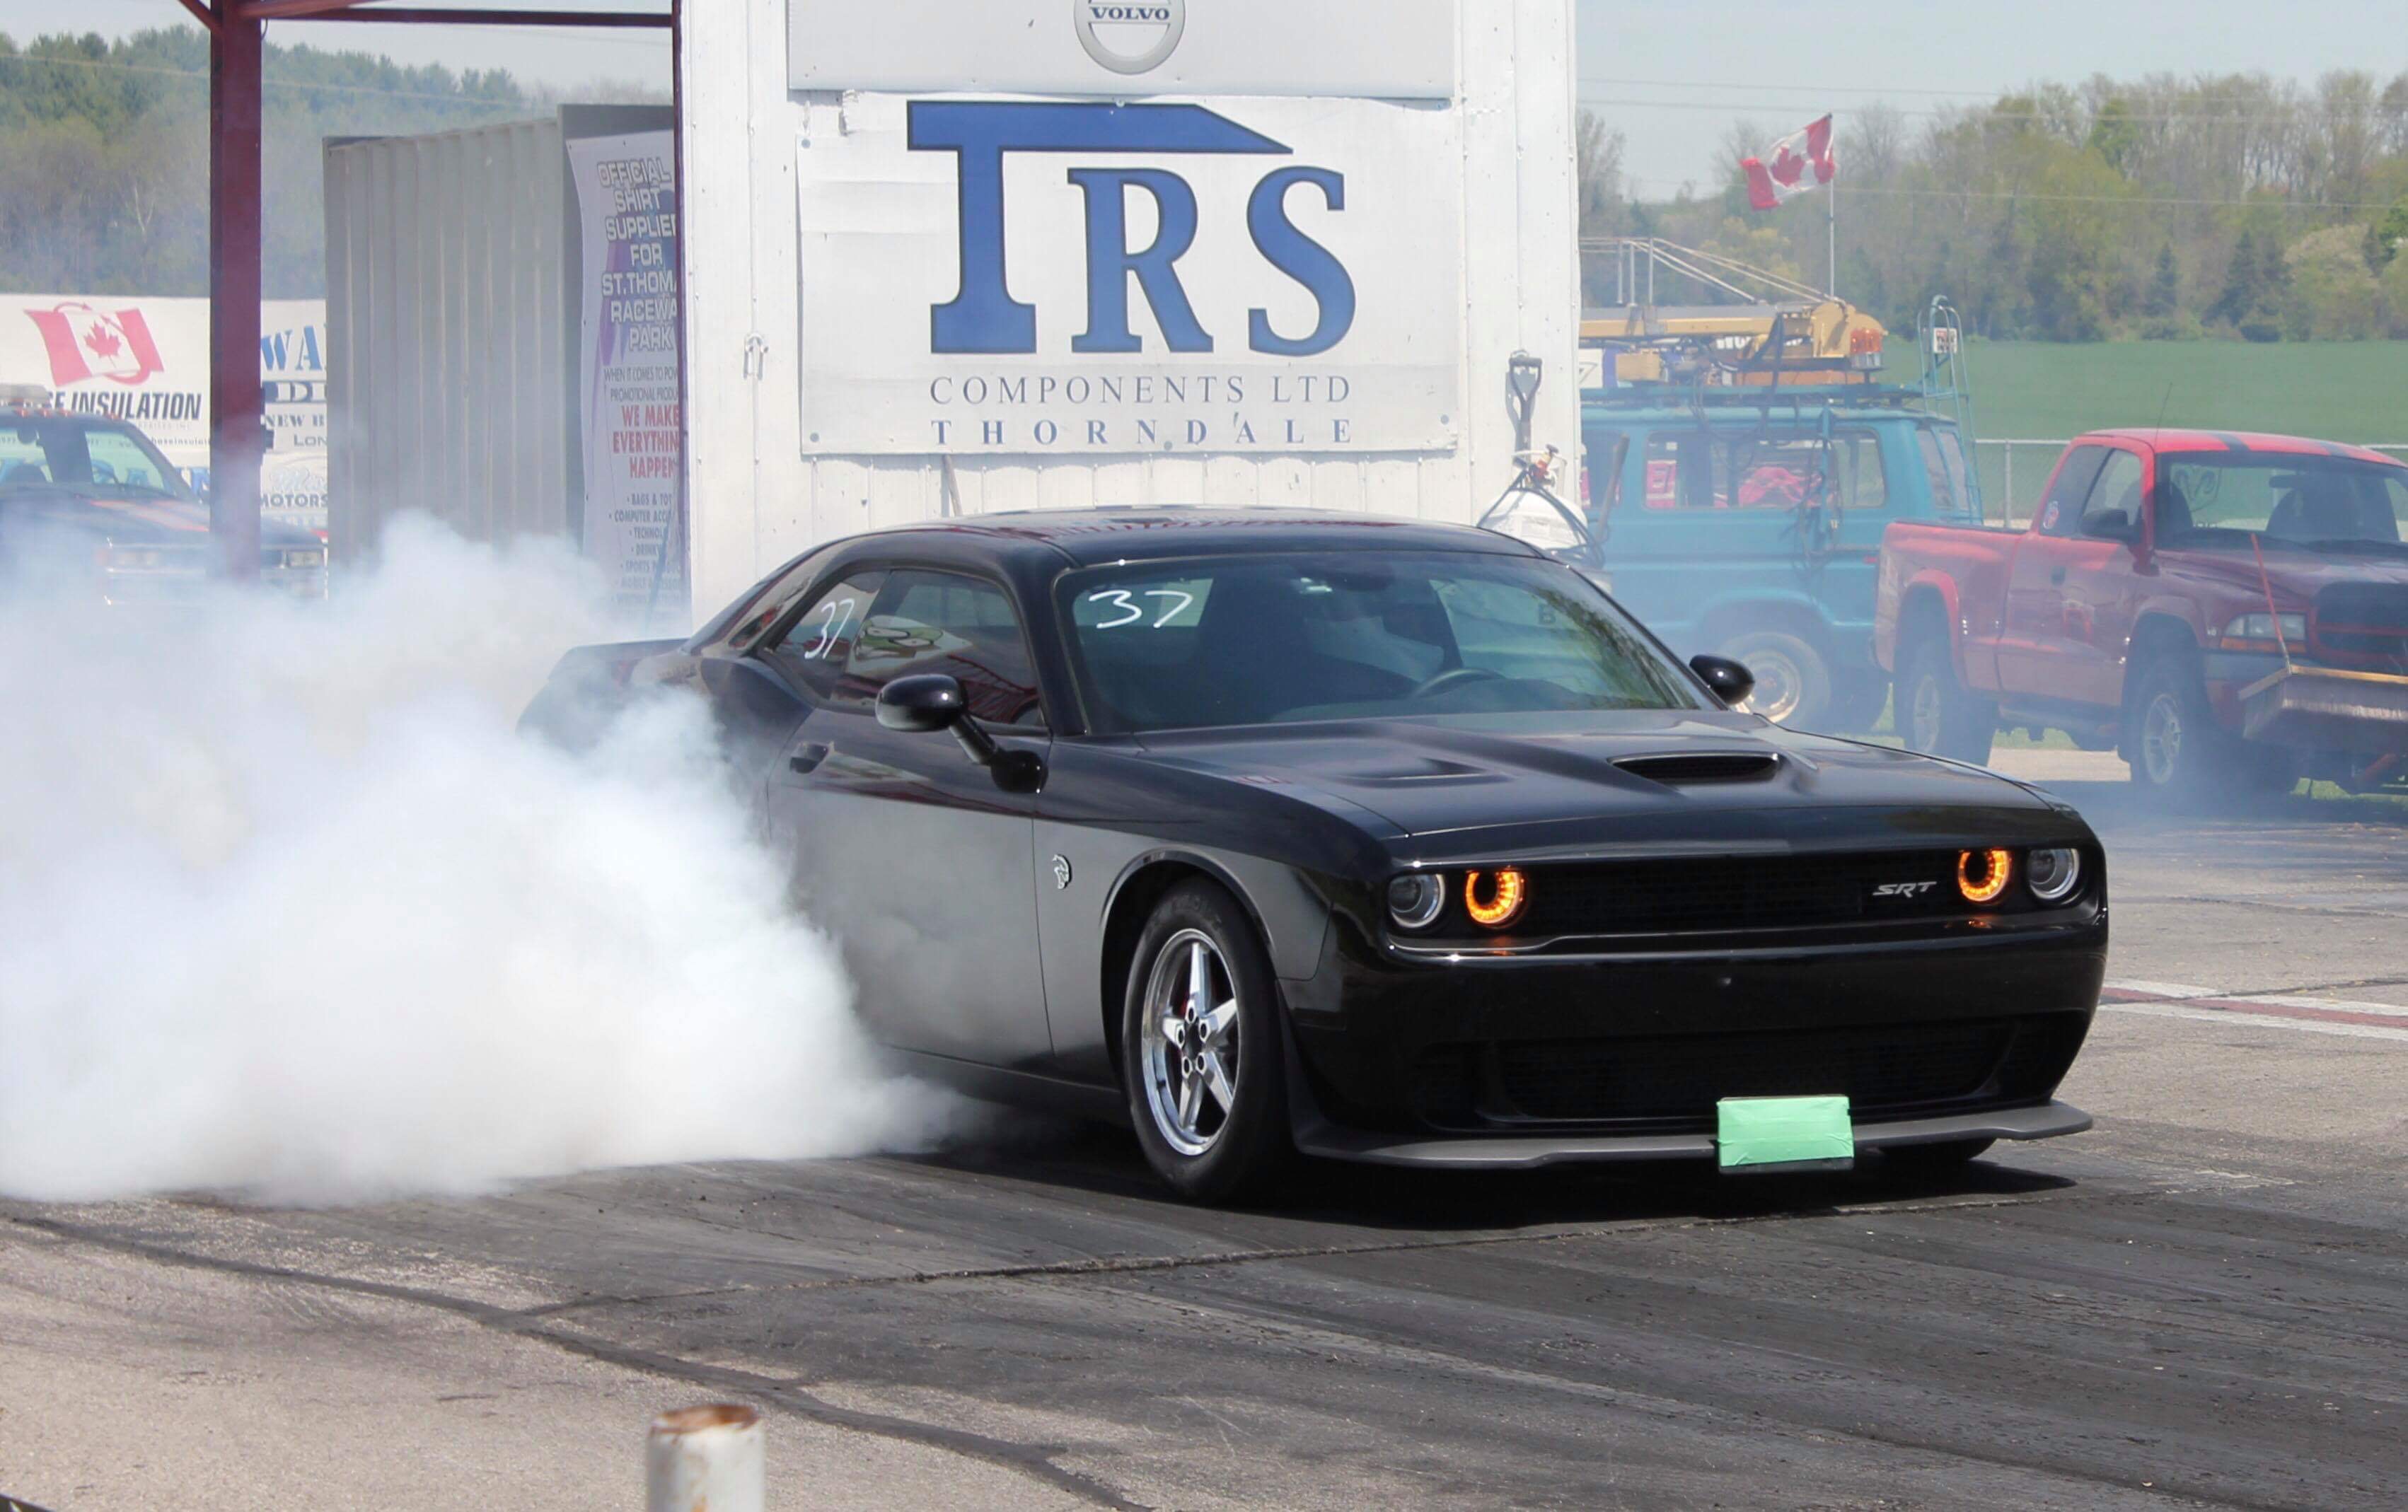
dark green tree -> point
(2165, 285)
(2244, 282)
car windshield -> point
(83, 455)
(2326, 504)
(1265, 640)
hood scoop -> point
(1685, 768)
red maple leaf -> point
(102, 340)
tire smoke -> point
(288, 912)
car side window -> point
(2113, 511)
(941, 621)
(814, 649)
(1680, 471)
(2060, 511)
(770, 602)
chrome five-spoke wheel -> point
(1191, 1053)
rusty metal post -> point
(237, 431)
(705, 1459)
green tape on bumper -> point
(1794, 1132)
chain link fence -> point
(2013, 472)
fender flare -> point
(1927, 585)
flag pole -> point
(1832, 231)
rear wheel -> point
(1935, 713)
(1201, 1052)
(1793, 680)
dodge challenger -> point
(1273, 833)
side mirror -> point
(923, 704)
(1731, 681)
(2114, 525)
(931, 702)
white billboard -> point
(146, 361)
(1264, 276)
(1394, 50)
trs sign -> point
(994, 276)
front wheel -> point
(1201, 1052)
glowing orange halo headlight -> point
(1982, 874)
(1495, 899)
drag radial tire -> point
(1934, 714)
(1202, 1053)
(2181, 758)
(1793, 680)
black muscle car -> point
(1272, 832)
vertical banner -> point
(627, 373)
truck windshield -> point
(1263, 639)
(2212, 499)
(83, 455)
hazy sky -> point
(1671, 74)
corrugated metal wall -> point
(450, 386)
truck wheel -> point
(1202, 1049)
(2181, 758)
(1857, 705)
(1935, 713)
(1793, 681)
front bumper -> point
(1529, 1061)
(1526, 1153)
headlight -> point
(2053, 875)
(1495, 899)
(2254, 631)
(1982, 874)
(1414, 902)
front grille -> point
(1671, 1083)
(1719, 894)
(2363, 623)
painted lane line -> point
(2213, 1016)
(2269, 1010)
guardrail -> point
(2014, 471)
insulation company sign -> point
(1250, 272)
(146, 361)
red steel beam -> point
(447, 16)
(237, 433)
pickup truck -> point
(2168, 579)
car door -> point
(2064, 590)
(908, 854)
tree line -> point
(2161, 207)
(104, 154)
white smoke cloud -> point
(289, 911)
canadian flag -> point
(1769, 183)
(85, 342)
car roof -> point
(2176, 439)
(1107, 533)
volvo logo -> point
(1130, 36)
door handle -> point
(806, 758)
(2057, 578)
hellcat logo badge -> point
(1061, 872)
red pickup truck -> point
(2168, 580)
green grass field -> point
(2335, 391)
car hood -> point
(2297, 576)
(1590, 782)
(131, 521)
